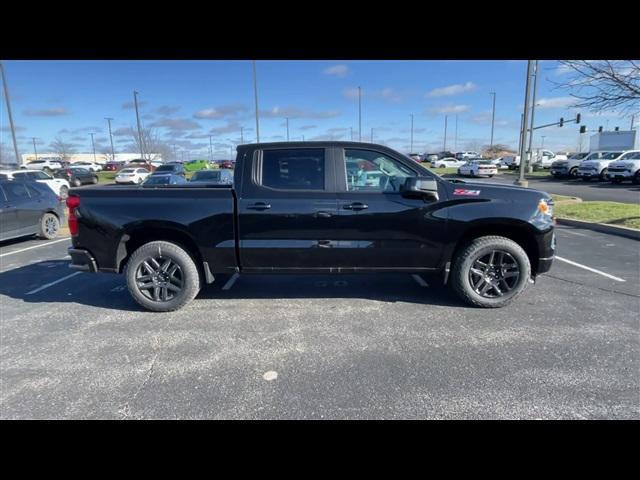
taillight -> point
(73, 202)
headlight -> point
(545, 207)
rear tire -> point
(185, 277)
(510, 277)
(636, 178)
(64, 192)
(603, 175)
(49, 226)
(573, 173)
(77, 183)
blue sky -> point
(186, 101)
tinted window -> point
(166, 168)
(368, 170)
(631, 156)
(81, 171)
(16, 191)
(40, 176)
(22, 176)
(293, 169)
(4, 176)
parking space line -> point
(35, 246)
(231, 281)
(579, 265)
(419, 280)
(52, 283)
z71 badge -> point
(464, 191)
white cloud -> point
(452, 90)
(221, 112)
(557, 102)
(337, 71)
(351, 93)
(449, 109)
(294, 112)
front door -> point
(386, 230)
(287, 211)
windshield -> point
(127, 170)
(611, 155)
(206, 175)
(166, 168)
(158, 180)
(631, 156)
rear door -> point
(27, 209)
(8, 215)
(384, 229)
(287, 210)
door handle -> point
(259, 206)
(355, 206)
(323, 215)
(324, 244)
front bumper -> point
(82, 260)
(560, 171)
(623, 174)
(588, 173)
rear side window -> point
(293, 169)
(16, 191)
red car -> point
(226, 164)
(113, 166)
(140, 164)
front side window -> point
(293, 169)
(16, 191)
(631, 156)
(368, 170)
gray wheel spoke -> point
(156, 264)
(172, 270)
(164, 294)
(172, 287)
(146, 286)
(159, 278)
(505, 285)
(144, 278)
(493, 253)
(149, 268)
(156, 293)
(497, 289)
(476, 271)
(511, 274)
(165, 265)
(487, 286)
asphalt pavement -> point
(75, 345)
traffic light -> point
(583, 129)
(561, 121)
(617, 129)
(600, 128)
(577, 118)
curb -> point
(601, 227)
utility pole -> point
(34, 147)
(371, 134)
(411, 146)
(8, 101)
(210, 149)
(533, 112)
(359, 114)
(455, 138)
(525, 120)
(493, 115)
(351, 128)
(542, 137)
(241, 134)
(444, 147)
(255, 93)
(175, 153)
(287, 118)
(135, 102)
(113, 152)
(633, 117)
(93, 146)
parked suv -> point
(170, 169)
(626, 168)
(77, 176)
(569, 167)
(43, 164)
(92, 166)
(58, 186)
(597, 168)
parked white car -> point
(511, 161)
(59, 186)
(545, 158)
(132, 175)
(465, 155)
(626, 168)
(156, 163)
(91, 166)
(478, 168)
(43, 164)
(569, 167)
(448, 163)
(597, 168)
(499, 163)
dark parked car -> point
(77, 176)
(113, 166)
(163, 179)
(139, 163)
(170, 169)
(222, 176)
(29, 208)
(293, 209)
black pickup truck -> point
(315, 207)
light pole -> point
(113, 152)
(359, 114)
(444, 147)
(455, 138)
(287, 119)
(34, 147)
(542, 137)
(210, 149)
(411, 146)
(371, 134)
(351, 128)
(135, 102)
(8, 101)
(241, 134)
(533, 112)
(255, 93)
(493, 115)
(175, 152)
(93, 146)
(525, 120)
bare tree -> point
(153, 146)
(62, 148)
(495, 150)
(600, 85)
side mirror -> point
(423, 187)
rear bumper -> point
(82, 260)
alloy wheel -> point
(159, 279)
(494, 274)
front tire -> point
(573, 173)
(490, 272)
(49, 226)
(636, 178)
(603, 175)
(162, 276)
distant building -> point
(616, 140)
(87, 157)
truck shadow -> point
(109, 290)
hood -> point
(499, 191)
(593, 163)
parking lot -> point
(75, 345)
